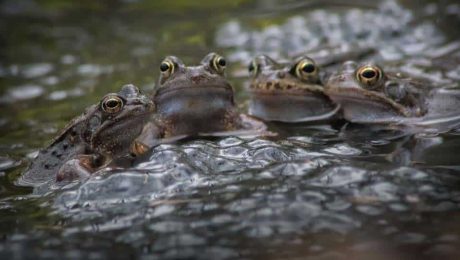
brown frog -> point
(197, 101)
(288, 92)
(104, 132)
(369, 95)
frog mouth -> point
(192, 90)
(292, 107)
(363, 106)
(194, 100)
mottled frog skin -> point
(288, 92)
(104, 132)
(367, 94)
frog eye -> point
(306, 69)
(369, 76)
(218, 63)
(253, 68)
(167, 68)
(112, 104)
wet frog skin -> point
(288, 92)
(196, 100)
(91, 140)
(369, 95)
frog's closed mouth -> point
(290, 108)
(199, 90)
(369, 107)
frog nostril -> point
(281, 74)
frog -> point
(289, 92)
(90, 141)
(197, 101)
(367, 95)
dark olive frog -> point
(288, 92)
(104, 132)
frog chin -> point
(362, 110)
(194, 100)
(198, 108)
(291, 108)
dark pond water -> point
(316, 191)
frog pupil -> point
(251, 67)
(164, 66)
(368, 74)
(222, 62)
(111, 103)
(308, 68)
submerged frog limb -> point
(150, 137)
(80, 167)
(106, 129)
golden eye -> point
(167, 68)
(253, 68)
(306, 69)
(369, 76)
(218, 63)
(112, 104)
